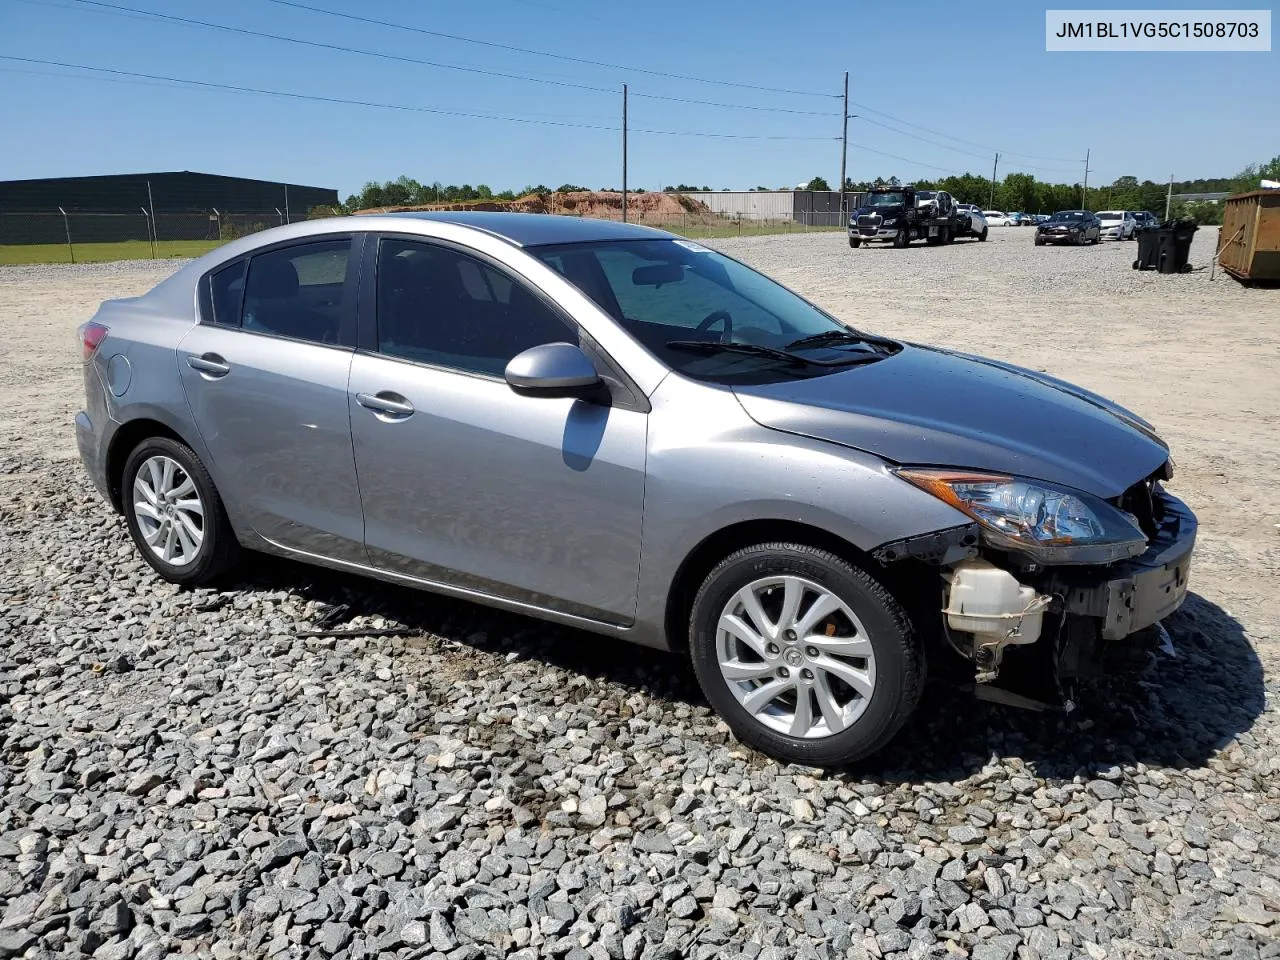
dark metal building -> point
(182, 192)
(183, 205)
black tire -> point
(855, 243)
(218, 550)
(1137, 264)
(902, 238)
(899, 655)
(1039, 241)
(948, 236)
(983, 235)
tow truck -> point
(900, 214)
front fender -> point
(710, 467)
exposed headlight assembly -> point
(889, 222)
(1048, 523)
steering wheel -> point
(721, 316)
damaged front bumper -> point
(1029, 630)
(1128, 596)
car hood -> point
(927, 406)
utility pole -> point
(844, 141)
(624, 153)
(1084, 189)
(1168, 200)
(152, 204)
(992, 204)
(67, 224)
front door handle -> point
(210, 365)
(387, 403)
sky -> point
(982, 82)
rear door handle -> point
(210, 365)
(386, 402)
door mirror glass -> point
(552, 370)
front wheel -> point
(806, 657)
(855, 243)
(983, 235)
(902, 238)
(1039, 241)
(174, 513)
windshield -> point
(1068, 216)
(886, 199)
(666, 292)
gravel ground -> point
(183, 773)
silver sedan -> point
(620, 430)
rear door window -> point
(299, 292)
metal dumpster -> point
(1249, 244)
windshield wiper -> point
(772, 353)
(838, 336)
(753, 349)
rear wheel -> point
(174, 513)
(806, 657)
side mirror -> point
(552, 370)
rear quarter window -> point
(226, 294)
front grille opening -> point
(1143, 500)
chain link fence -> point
(736, 225)
(78, 236)
(70, 236)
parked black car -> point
(1146, 219)
(1069, 226)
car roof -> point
(537, 229)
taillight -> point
(91, 335)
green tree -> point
(818, 183)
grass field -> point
(13, 254)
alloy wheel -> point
(796, 657)
(169, 511)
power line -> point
(133, 12)
(973, 143)
(543, 53)
(945, 146)
(894, 156)
(391, 106)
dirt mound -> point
(603, 205)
